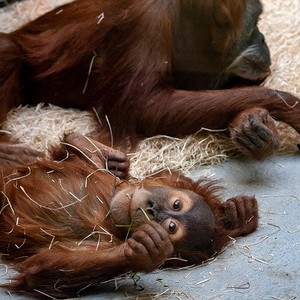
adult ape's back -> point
(150, 67)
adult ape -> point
(150, 67)
(70, 224)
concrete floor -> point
(263, 265)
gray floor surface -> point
(263, 265)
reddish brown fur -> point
(134, 49)
(53, 239)
(132, 46)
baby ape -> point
(72, 223)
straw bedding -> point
(43, 126)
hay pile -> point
(43, 126)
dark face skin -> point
(251, 58)
(185, 216)
(202, 59)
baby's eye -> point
(176, 204)
(172, 227)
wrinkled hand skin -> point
(13, 154)
(148, 247)
(255, 134)
(241, 214)
(99, 154)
